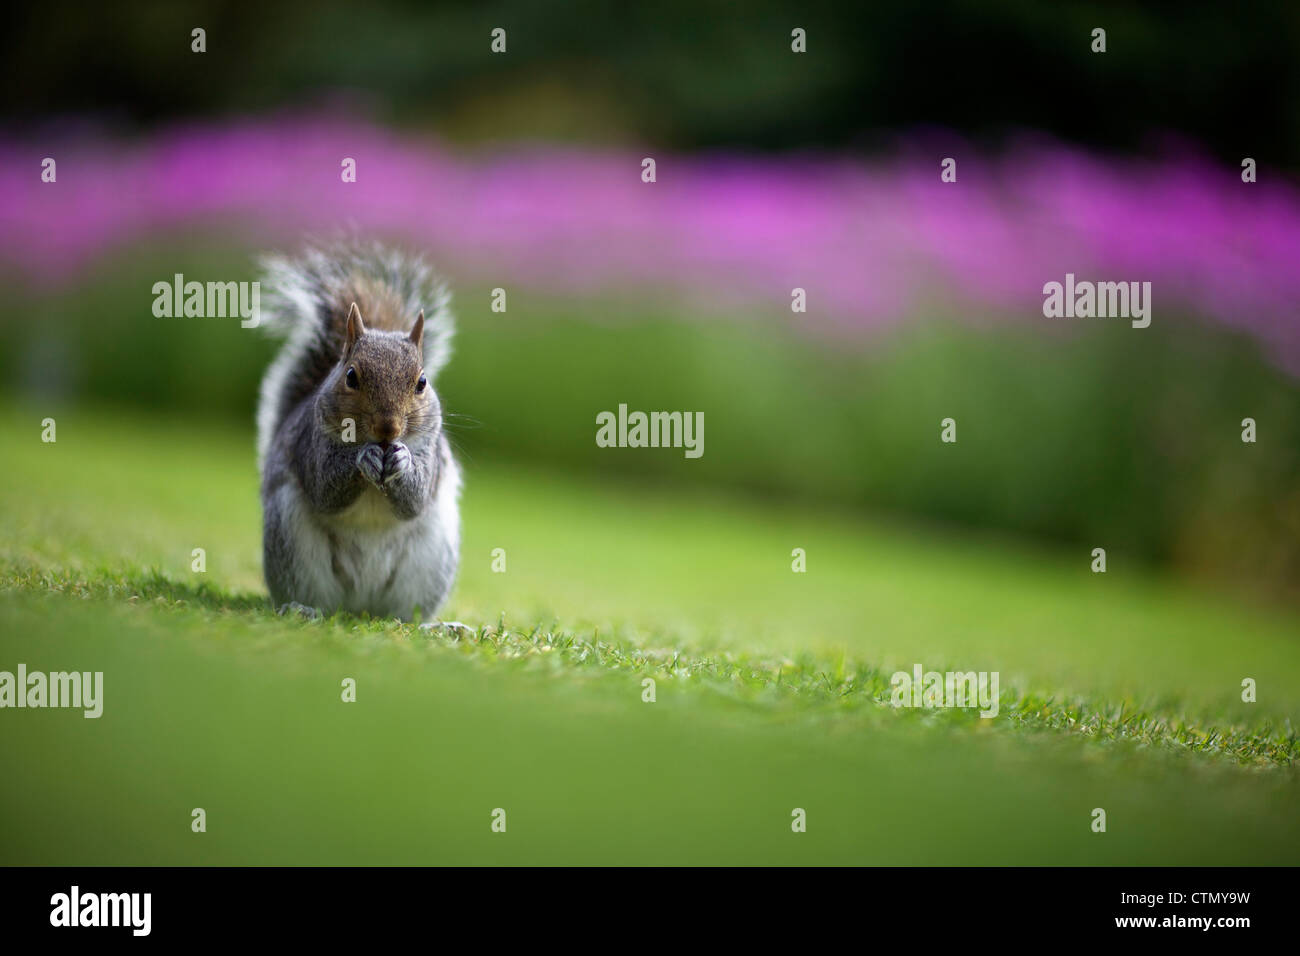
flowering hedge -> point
(871, 242)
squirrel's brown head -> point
(379, 383)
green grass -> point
(1119, 691)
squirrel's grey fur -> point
(370, 525)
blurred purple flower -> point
(872, 244)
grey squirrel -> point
(359, 486)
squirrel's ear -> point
(417, 330)
(356, 328)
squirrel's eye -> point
(419, 385)
(351, 377)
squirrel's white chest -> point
(366, 558)
(371, 550)
(371, 512)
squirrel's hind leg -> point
(454, 628)
(302, 610)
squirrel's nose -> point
(386, 429)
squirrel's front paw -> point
(397, 461)
(370, 462)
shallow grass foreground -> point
(1119, 691)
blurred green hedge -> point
(1094, 435)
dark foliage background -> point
(687, 74)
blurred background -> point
(775, 170)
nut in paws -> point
(397, 461)
(370, 462)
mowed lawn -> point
(1120, 691)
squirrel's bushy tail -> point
(305, 300)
